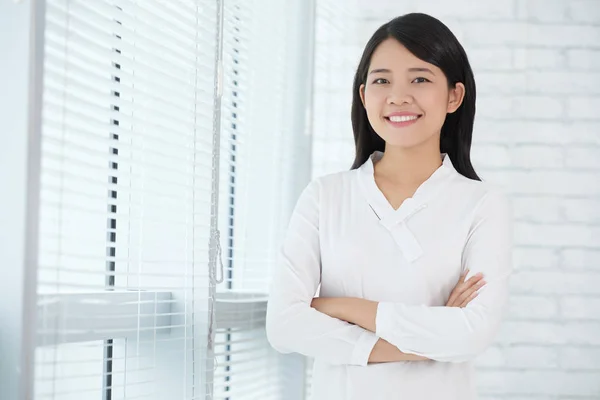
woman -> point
(400, 244)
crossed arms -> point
(358, 331)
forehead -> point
(392, 55)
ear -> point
(455, 97)
(361, 92)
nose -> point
(400, 94)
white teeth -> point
(403, 118)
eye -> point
(422, 80)
(381, 81)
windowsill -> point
(80, 317)
(240, 310)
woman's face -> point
(406, 98)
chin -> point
(407, 141)
(404, 143)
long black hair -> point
(431, 41)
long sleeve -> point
(459, 334)
(292, 325)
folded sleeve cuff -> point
(383, 320)
(363, 348)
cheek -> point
(435, 104)
(373, 104)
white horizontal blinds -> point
(165, 171)
(259, 130)
(333, 143)
(241, 350)
(254, 130)
(125, 219)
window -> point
(126, 200)
(265, 163)
(141, 163)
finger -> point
(459, 288)
(450, 302)
(454, 300)
(472, 281)
(453, 296)
(469, 299)
(476, 277)
(467, 293)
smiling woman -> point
(411, 251)
(415, 64)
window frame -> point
(20, 175)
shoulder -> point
(328, 184)
(482, 197)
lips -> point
(403, 118)
(402, 113)
(398, 120)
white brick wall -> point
(537, 133)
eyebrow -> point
(385, 70)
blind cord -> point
(219, 256)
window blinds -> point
(126, 205)
(265, 163)
(132, 129)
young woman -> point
(411, 250)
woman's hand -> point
(464, 292)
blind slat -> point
(104, 88)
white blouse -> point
(345, 236)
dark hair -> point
(430, 40)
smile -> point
(402, 120)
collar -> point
(388, 216)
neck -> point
(408, 166)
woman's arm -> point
(447, 333)
(292, 325)
(384, 352)
(354, 310)
(363, 313)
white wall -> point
(537, 133)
